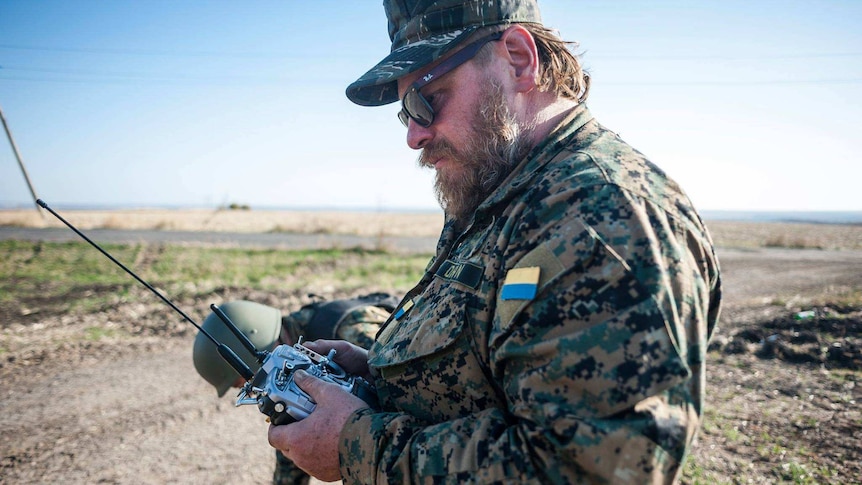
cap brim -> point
(379, 85)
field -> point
(386, 224)
(302, 222)
(97, 382)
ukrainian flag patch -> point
(521, 284)
(404, 309)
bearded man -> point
(560, 333)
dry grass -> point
(387, 224)
(785, 235)
(375, 224)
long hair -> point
(560, 69)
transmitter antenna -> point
(227, 354)
(243, 339)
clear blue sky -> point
(750, 105)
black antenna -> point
(260, 356)
(226, 353)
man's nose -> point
(417, 135)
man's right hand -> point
(352, 358)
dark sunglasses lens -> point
(417, 108)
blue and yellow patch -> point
(521, 284)
(404, 309)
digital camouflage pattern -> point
(363, 324)
(597, 378)
(421, 31)
(359, 326)
(356, 320)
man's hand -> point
(313, 442)
(352, 358)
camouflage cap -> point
(421, 31)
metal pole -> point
(21, 163)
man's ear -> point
(522, 56)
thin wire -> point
(144, 52)
(626, 57)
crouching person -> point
(355, 320)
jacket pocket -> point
(426, 366)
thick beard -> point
(498, 144)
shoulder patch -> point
(521, 283)
(540, 266)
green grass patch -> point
(95, 334)
(695, 474)
(794, 472)
(58, 277)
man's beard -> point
(498, 143)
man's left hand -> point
(313, 442)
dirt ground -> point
(783, 389)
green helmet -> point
(260, 323)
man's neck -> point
(551, 110)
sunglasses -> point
(414, 106)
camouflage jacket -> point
(560, 338)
